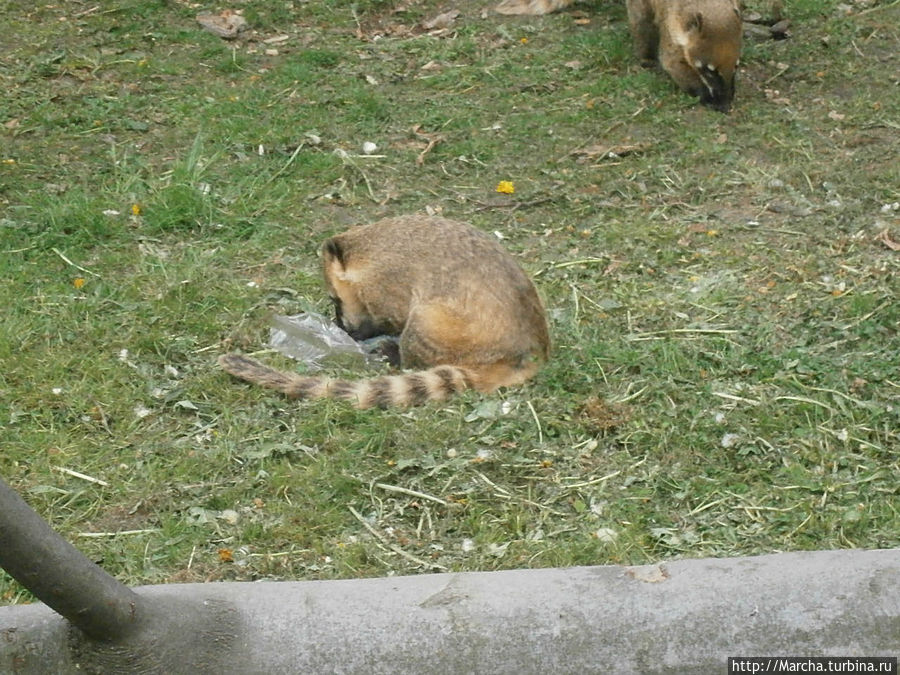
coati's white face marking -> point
(707, 82)
(351, 276)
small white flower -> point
(57, 391)
(730, 440)
(369, 147)
(467, 546)
(607, 535)
(141, 411)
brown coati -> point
(698, 42)
(466, 314)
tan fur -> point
(698, 42)
(465, 312)
(532, 7)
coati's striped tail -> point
(408, 389)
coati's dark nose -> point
(716, 92)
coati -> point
(698, 42)
(466, 314)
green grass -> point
(724, 307)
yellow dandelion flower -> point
(78, 282)
(135, 209)
(506, 187)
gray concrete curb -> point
(681, 617)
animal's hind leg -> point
(387, 346)
(435, 334)
(426, 339)
(644, 32)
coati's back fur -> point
(697, 42)
(466, 314)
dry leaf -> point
(228, 24)
(650, 574)
(441, 21)
(432, 140)
(598, 415)
(885, 239)
(605, 151)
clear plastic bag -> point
(318, 342)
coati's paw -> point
(386, 346)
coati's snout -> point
(716, 90)
(350, 311)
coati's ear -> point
(332, 250)
(694, 22)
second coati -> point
(697, 42)
(466, 314)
